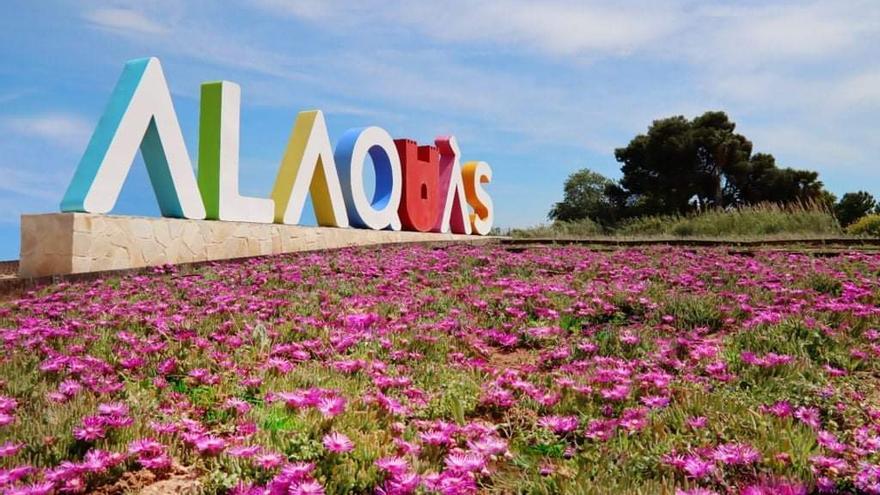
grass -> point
(759, 221)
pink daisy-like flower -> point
(736, 454)
(10, 448)
(465, 462)
(338, 443)
(298, 471)
(6, 419)
(158, 463)
(310, 487)
(697, 468)
(92, 429)
(113, 409)
(145, 447)
(269, 460)
(237, 405)
(40, 488)
(244, 451)
(392, 465)
(697, 422)
(7, 404)
(331, 406)
(559, 424)
(210, 445)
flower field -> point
(463, 370)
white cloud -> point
(126, 20)
(64, 130)
(744, 35)
(795, 72)
(861, 91)
(555, 27)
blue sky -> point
(537, 89)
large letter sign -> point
(308, 166)
(475, 175)
(218, 158)
(418, 188)
(453, 214)
(351, 153)
(420, 166)
(140, 114)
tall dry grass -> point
(761, 220)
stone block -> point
(67, 243)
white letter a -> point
(140, 114)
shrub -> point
(853, 206)
(868, 225)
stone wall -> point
(64, 243)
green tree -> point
(853, 206)
(759, 180)
(585, 197)
(680, 164)
(659, 168)
(718, 149)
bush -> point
(853, 206)
(868, 225)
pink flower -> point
(775, 488)
(392, 465)
(270, 460)
(10, 448)
(298, 471)
(488, 445)
(809, 416)
(210, 445)
(868, 479)
(338, 443)
(465, 462)
(655, 401)
(697, 422)
(697, 468)
(830, 442)
(403, 484)
(145, 447)
(113, 409)
(92, 429)
(40, 488)
(736, 454)
(6, 419)
(98, 461)
(244, 451)
(331, 406)
(238, 405)
(157, 463)
(7, 404)
(559, 424)
(779, 409)
(307, 488)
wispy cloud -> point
(124, 20)
(58, 129)
(556, 27)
